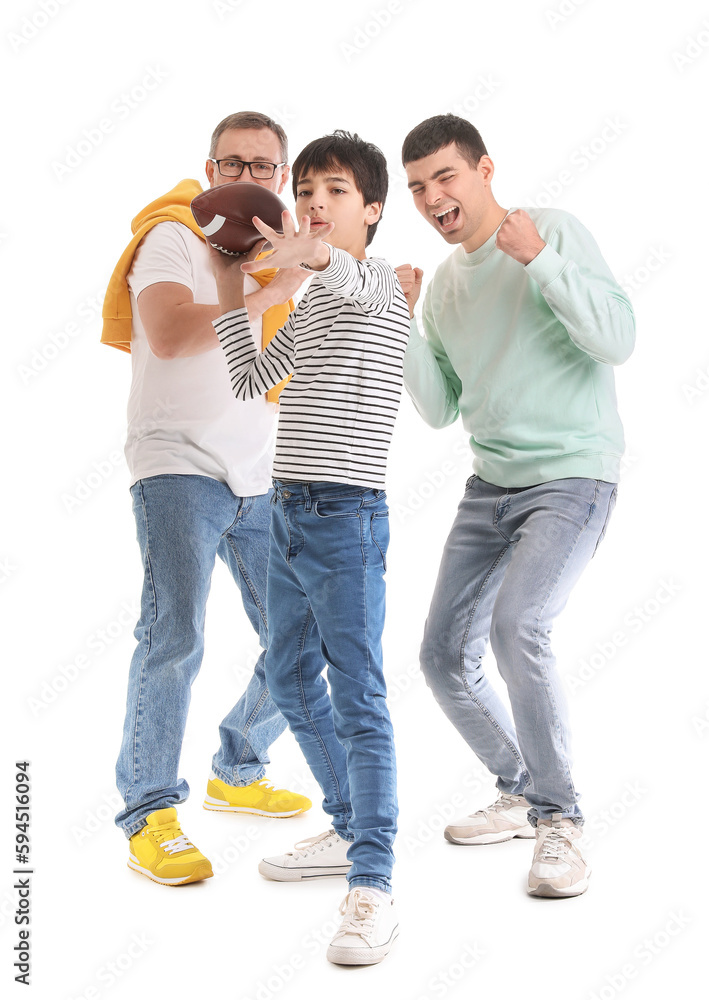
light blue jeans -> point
(183, 522)
(326, 582)
(508, 568)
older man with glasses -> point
(200, 467)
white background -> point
(541, 80)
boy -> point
(344, 345)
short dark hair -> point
(364, 160)
(250, 119)
(440, 131)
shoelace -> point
(358, 910)
(268, 785)
(556, 844)
(177, 844)
(503, 801)
(311, 845)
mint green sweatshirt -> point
(525, 355)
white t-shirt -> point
(182, 415)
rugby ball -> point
(224, 215)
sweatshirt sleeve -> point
(429, 377)
(371, 282)
(251, 373)
(583, 294)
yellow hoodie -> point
(173, 206)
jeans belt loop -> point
(306, 494)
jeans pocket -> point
(611, 505)
(380, 533)
(338, 507)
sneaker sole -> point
(279, 874)
(490, 838)
(361, 956)
(204, 871)
(549, 891)
(218, 805)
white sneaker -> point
(505, 819)
(316, 857)
(368, 930)
(558, 867)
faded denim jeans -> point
(508, 568)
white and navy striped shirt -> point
(345, 345)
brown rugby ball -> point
(224, 215)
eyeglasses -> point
(260, 170)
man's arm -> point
(429, 377)
(576, 283)
(178, 327)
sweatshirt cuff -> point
(224, 324)
(546, 266)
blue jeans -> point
(183, 522)
(326, 580)
(508, 568)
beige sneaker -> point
(505, 819)
(558, 868)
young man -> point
(522, 324)
(345, 345)
(200, 471)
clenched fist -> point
(518, 237)
(410, 279)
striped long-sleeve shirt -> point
(345, 346)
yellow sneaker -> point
(162, 852)
(260, 797)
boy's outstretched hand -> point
(410, 279)
(295, 246)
